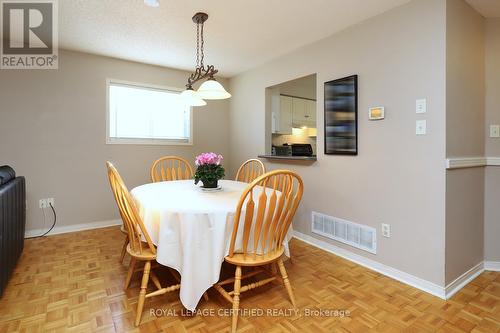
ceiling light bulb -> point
(212, 89)
(152, 3)
(191, 98)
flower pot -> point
(210, 184)
(209, 170)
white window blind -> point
(147, 115)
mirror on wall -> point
(292, 107)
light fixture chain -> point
(202, 44)
(197, 45)
(201, 72)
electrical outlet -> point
(50, 201)
(42, 203)
(421, 127)
(386, 230)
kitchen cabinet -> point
(304, 112)
(311, 112)
(282, 114)
(298, 111)
(288, 112)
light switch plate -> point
(421, 105)
(386, 230)
(421, 127)
(494, 131)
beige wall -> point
(492, 214)
(492, 186)
(464, 221)
(464, 80)
(464, 137)
(492, 76)
(397, 178)
(52, 130)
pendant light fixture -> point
(210, 89)
(191, 97)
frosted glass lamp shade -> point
(212, 89)
(191, 98)
(152, 3)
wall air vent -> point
(353, 234)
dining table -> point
(191, 228)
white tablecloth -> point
(191, 229)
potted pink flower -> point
(209, 169)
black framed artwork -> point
(341, 116)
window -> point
(141, 114)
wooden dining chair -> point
(171, 168)
(140, 247)
(163, 169)
(125, 243)
(250, 170)
(267, 217)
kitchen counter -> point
(289, 158)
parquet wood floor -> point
(73, 283)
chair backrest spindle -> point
(269, 204)
(171, 168)
(250, 170)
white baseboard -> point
(424, 285)
(72, 228)
(492, 266)
(460, 282)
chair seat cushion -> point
(240, 259)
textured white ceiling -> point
(239, 34)
(487, 8)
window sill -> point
(148, 142)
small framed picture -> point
(376, 113)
